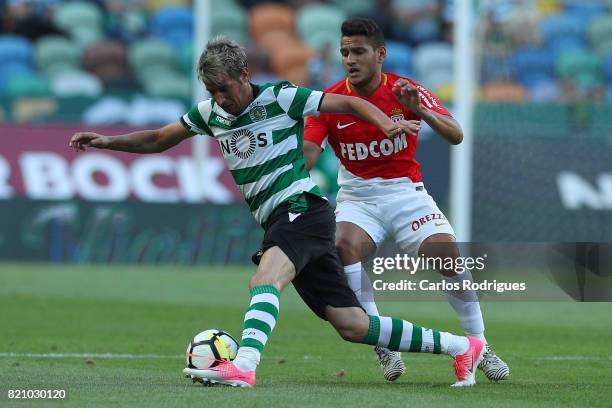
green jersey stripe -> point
(436, 339)
(282, 134)
(254, 173)
(296, 110)
(298, 172)
(250, 190)
(195, 117)
(294, 190)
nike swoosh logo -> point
(339, 126)
(293, 216)
(440, 224)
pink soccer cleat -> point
(465, 364)
(226, 373)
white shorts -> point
(408, 215)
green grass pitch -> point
(560, 353)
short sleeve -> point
(194, 119)
(298, 101)
(315, 130)
(431, 101)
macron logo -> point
(293, 216)
(340, 127)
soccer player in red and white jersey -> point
(381, 189)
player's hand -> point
(400, 127)
(408, 95)
(82, 140)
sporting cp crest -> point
(257, 113)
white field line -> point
(573, 358)
(177, 356)
(92, 355)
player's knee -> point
(348, 248)
(354, 333)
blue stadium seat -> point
(173, 24)
(558, 45)
(584, 10)
(606, 68)
(532, 64)
(15, 48)
(561, 25)
(12, 69)
(399, 58)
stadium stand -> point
(541, 52)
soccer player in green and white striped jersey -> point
(260, 129)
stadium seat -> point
(584, 10)
(268, 17)
(76, 83)
(146, 53)
(272, 40)
(572, 64)
(560, 26)
(12, 69)
(355, 7)
(172, 86)
(174, 24)
(27, 85)
(231, 22)
(314, 18)
(503, 92)
(15, 48)
(322, 39)
(186, 59)
(107, 60)
(282, 60)
(53, 50)
(431, 57)
(606, 68)
(558, 45)
(530, 63)
(543, 90)
(84, 36)
(600, 34)
(399, 58)
(69, 15)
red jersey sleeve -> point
(429, 100)
(315, 130)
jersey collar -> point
(383, 82)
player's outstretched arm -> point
(334, 103)
(312, 151)
(143, 141)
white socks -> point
(453, 345)
(247, 359)
(467, 307)
(357, 279)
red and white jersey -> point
(367, 156)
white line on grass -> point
(573, 358)
(90, 355)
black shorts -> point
(309, 242)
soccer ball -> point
(209, 348)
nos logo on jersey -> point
(242, 143)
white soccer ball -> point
(209, 348)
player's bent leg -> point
(274, 273)
(400, 335)
(354, 244)
(465, 302)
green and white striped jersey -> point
(263, 146)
